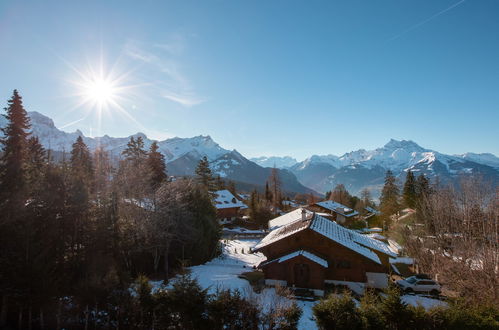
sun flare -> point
(100, 91)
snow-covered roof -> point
(286, 219)
(338, 208)
(295, 254)
(224, 199)
(346, 237)
(350, 239)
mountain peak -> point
(402, 144)
(39, 119)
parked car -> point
(419, 283)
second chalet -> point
(307, 250)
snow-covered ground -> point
(223, 272)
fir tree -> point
(204, 174)
(389, 200)
(81, 161)
(422, 189)
(14, 146)
(36, 160)
(409, 192)
(156, 166)
(135, 151)
(13, 197)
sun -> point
(100, 91)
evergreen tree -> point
(156, 166)
(389, 200)
(409, 192)
(204, 174)
(78, 204)
(81, 162)
(422, 190)
(36, 160)
(13, 197)
(133, 174)
(14, 146)
(135, 151)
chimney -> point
(303, 215)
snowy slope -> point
(273, 161)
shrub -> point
(229, 310)
(337, 312)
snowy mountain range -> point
(181, 154)
(366, 168)
(356, 170)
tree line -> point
(82, 229)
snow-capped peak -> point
(271, 161)
(403, 144)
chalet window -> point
(343, 264)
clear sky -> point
(264, 77)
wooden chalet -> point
(336, 211)
(228, 206)
(307, 250)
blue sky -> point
(265, 77)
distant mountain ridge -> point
(275, 161)
(366, 169)
(181, 154)
(356, 170)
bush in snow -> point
(337, 312)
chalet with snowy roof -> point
(336, 211)
(307, 250)
(227, 205)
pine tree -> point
(13, 197)
(389, 200)
(409, 192)
(14, 145)
(80, 188)
(135, 151)
(204, 174)
(422, 189)
(36, 160)
(156, 167)
(81, 162)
